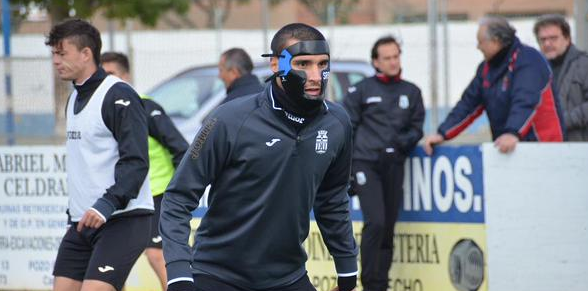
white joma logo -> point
(373, 99)
(122, 102)
(271, 143)
(105, 269)
(156, 239)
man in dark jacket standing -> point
(513, 84)
(234, 68)
(271, 158)
(570, 72)
(387, 116)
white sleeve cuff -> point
(180, 279)
(348, 274)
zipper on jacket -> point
(298, 140)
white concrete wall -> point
(160, 54)
(537, 217)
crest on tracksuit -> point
(322, 141)
(403, 102)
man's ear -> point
(87, 53)
(235, 72)
(274, 64)
(375, 63)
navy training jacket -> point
(517, 95)
(266, 177)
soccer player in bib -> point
(110, 204)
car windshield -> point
(339, 83)
(183, 96)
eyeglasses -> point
(545, 39)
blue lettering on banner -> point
(446, 187)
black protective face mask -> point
(293, 81)
(298, 106)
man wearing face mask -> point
(387, 115)
(271, 158)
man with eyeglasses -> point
(570, 72)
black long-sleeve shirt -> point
(384, 114)
(128, 125)
(162, 129)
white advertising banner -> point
(525, 214)
(33, 201)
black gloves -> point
(352, 191)
(346, 283)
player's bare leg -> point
(66, 284)
(155, 258)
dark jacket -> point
(572, 89)
(245, 85)
(162, 129)
(266, 177)
(384, 114)
(515, 90)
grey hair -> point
(239, 59)
(498, 29)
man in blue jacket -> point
(270, 158)
(514, 85)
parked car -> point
(191, 95)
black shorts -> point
(209, 283)
(105, 254)
(155, 238)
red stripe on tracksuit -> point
(544, 120)
(485, 83)
(458, 128)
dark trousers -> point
(380, 193)
(209, 283)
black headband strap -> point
(309, 47)
(306, 47)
